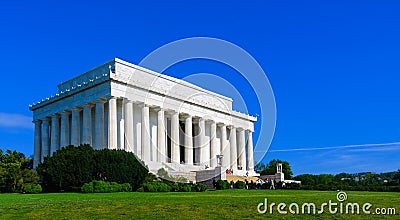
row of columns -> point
(50, 135)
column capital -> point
(208, 118)
(89, 104)
(37, 121)
(140, 104)
(76, 108)
(56, 115)
(101, 100)
(170, 112)
(65, 112)
(46, 119)
(240, 129)
(221, 124)
(212, 121)
(126, 100)
(195, 119)
(184, 116)
(158, 108)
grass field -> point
(228, 204)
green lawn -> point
(228, 204)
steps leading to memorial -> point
(189, 176)
(193, 173)
(181, 167)
(175, 170)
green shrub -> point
(101, 186)
(140, 189)
(115, 187)
(31, 188)
(184, 187)
(156, 186)
(87, 188)
(222, 184)
(175, 187)
(240, 185)
(293, 186)
(104, 187)
(199, 187)
(164, 187)
(149, 187)
(126, 187)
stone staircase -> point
(194, 174)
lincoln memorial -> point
(166, 122)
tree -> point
(306, 179)
(259, 167)
(270, 168)
(119, 166)
(71, 167)
(396, 177)
(15, 171)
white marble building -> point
(166, 122)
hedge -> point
(223, 184)
(31, 188)
(105, 187)
(240, 185)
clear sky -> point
(333, 65)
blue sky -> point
(333, 66)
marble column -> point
(45, 138)
(225, 150)
(250, 156)
(241, 151)
(161, 129)
(137, 131)
(188, 141)
(145, 133)
(202, 147)
(76, 127)
(121, 126)
(112, 123)
(128, 126)
(37, 143)
(64, 136)
(196, 142)
(213, 141)
(87, 124)
(98, 140)
(55, 134)
(175, 151)
(233, 148)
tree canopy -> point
(345, 181)
(71, 167)
(270, 168)
(15, 171)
